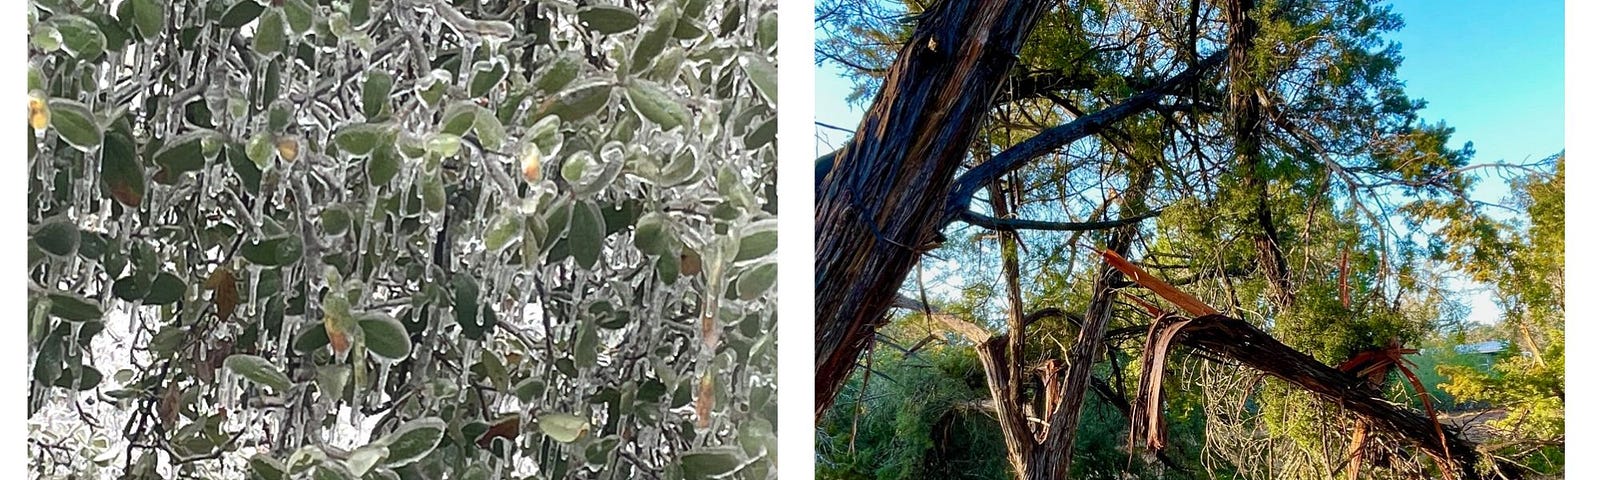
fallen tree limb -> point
(1238, 340)
(1242, 342)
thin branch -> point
(1059, 136)
(1014, 224)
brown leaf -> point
(689, 262)
(337, 338)
(506, 428)
(224, 292)
(167, 408)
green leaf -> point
(458, 118)
(578, 103)
(767, 29)
(266, 467)
(465, 305)
(709, 462)
(559, 73)
(693, 9)
(272, 252)
(490, 132)
(242, 12)
(652, 42)
(116, 36)
(270, 36)
(668, 266)
(361, 138)
(260, 149)
(608, 19)
(563, 427)
(757, 244)
(383, 165)
(503, 229)
(599, 451)
(443, 144)
(432, 192)
(576, 166)
(529, 389)
(272, 86)
(75, 123)
(385, 336)
(332, 380)
(650, 234)
(247, 170)
(258, 370)
(80, 36)
(763, 74)
(586, 235)
(412, 441)
(586, 350)
(311, 338)
(74, 308)
(335, 220)
(120, 170)
(485, 76)
(762, 135)
(758, 280)
(375, 93)
(166, 288)
(655, 104)
(186, 153)
(331, 471)
(87, 378)
(57, 236)
(299, 15)
(45, 37)
(150, 18)
(685, 164)
(362, 459)
(360, 12)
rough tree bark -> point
(882, 200)
(874, 206)
(1057, 456)
(1244, 123)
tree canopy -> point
(1263, 157)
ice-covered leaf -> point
(258, 370)
(563, 427)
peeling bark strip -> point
(882, 200)
(878, 205)
(1146, 412)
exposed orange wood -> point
(1183, 300)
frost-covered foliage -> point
(401, 239)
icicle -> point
(383, 378)
(250, 308)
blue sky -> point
(1493, 70)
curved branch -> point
(1059, 136)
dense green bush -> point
(401, 238)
